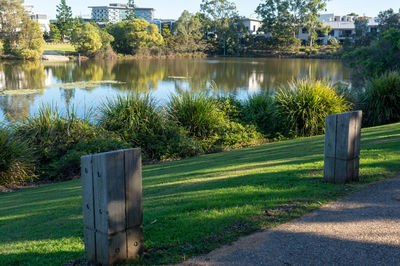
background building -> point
(252, 24)
(42, 19)
(115, 13)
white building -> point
(252, 24)
(43, 21)
(343, 27)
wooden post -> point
(112, 205)
(342, 147)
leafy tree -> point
(31, 42)
(132, 36)
(166, 31)
(11, 15)
(64, 19)
(188, 28)
(311, 13)
(130, 14)
(381, 56)
(389, 19)
(55, 35)
(362, 36)
(283, 18)
(89, 38)
(224, 17)
(280, 18)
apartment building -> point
(343, 27)
(116, 12)
(42, 19)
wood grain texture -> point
(109, 191)
(133, 190)
(87, 192)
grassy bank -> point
(63, 48)
(195, 205)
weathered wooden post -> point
(112, 205)
(342, 147)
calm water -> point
(63, 84)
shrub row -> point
(49, 144)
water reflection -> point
(160, 77)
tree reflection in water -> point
(236, 76)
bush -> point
(258, 110)
(139, 121)
(380, 101)
(236, 135)
(231, 107)
(213, 122)
(16, 160)
(197, 113)
(304, 104)
(54, 136)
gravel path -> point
(361, 229)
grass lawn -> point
(195, 205)
(66, 48)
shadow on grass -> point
(35, 258)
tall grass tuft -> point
(258, 109)
(198, 113)
(139, 121)
(304, 104)
(60, 139)
(16, 160)
(380, 101)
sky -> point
(173, 8)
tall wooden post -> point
(112, 205)
(342, 147)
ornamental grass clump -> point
(197, 113)
(16, 160)
(303, 105)
(208, 121)
(258, 110)
(60, 139)
(380, 101)
(140, 122)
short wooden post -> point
(342, 147)
(112, 205)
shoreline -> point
(59, 58)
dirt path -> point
(362, 229)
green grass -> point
(60, 47)
(198, 204)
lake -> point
(85, 86)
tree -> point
(166, 31)
(224, 16)
(55, 35)
(130, 14)
(381, 56)
(64, 19)
(187, 34)
(132, 36)
(31, 42)
(11, 15)
(362, 36)
(89, 39)
(389, 19)
(281, 19)
(311, 13)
